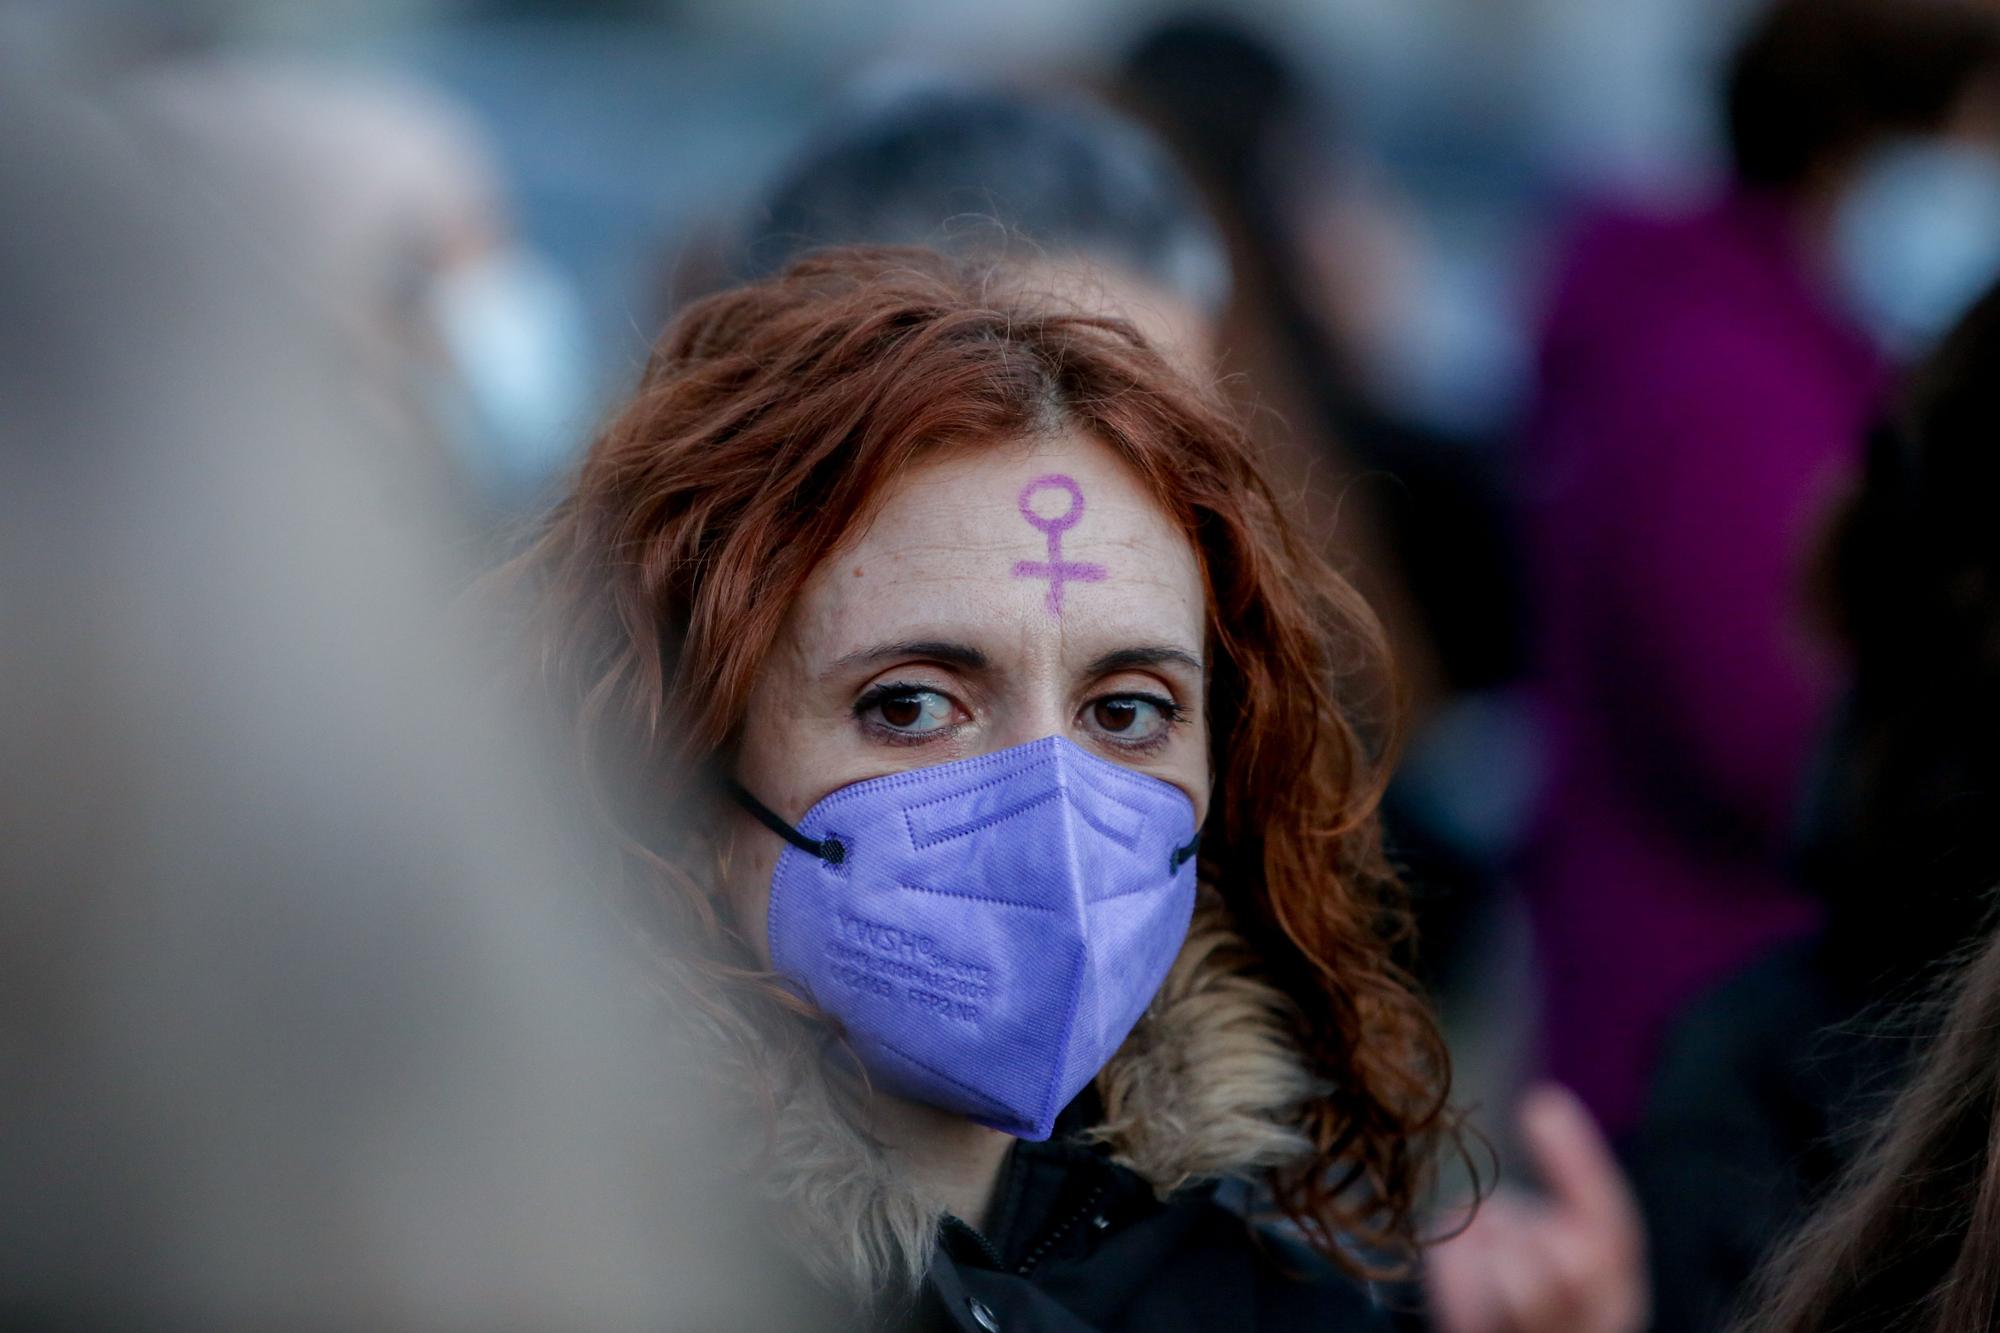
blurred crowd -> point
(1636, 362)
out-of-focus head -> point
(1919, 562)
(383, 201)
(1913, 581)
(1881, 122)
(1331, 273)
(1083, 202)
(1817, 83)
(368, 183)
(1223, 92)
(825, 475)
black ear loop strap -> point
(831, 850)
(828, 850)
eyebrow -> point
(962, 655)
(1125, 659)
(968, 658)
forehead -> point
(1056, 538)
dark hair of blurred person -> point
(1706, 380)
(1051, 180)
(1910, 1241)
(847, 453)
(1413, 516)
(1819, 82)
(1884, 119)
(1767, 1083)
(1260, 139)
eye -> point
(1132, 719)
(905, 710)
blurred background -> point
(617, 130)
(1566, 319)
(522, 193)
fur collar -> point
(1207, 1086)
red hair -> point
(770, 422)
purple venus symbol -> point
(1055, 569)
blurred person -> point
(987, 714)
(1768, 1083)
(1906, 1244)
(1320, 275)
(1704, 388)
(293, 1033)
(1316, 247)
(1413, 516)
(403, 227)
(1082, 201)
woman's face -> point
(956, 626)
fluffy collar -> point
(1207, 1086)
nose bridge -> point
(1035, 725)
(1040, 710)
(1037, 701)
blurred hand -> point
(1570, 1261)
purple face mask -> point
(989, 930)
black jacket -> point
(1079, 1245)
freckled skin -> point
(941, 559)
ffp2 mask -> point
(988, 930)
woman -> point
(971, 720)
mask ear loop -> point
(829, 850)
(1180, 856)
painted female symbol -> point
(1055, 569)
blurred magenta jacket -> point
(1702, 402)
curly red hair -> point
(769, 424)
